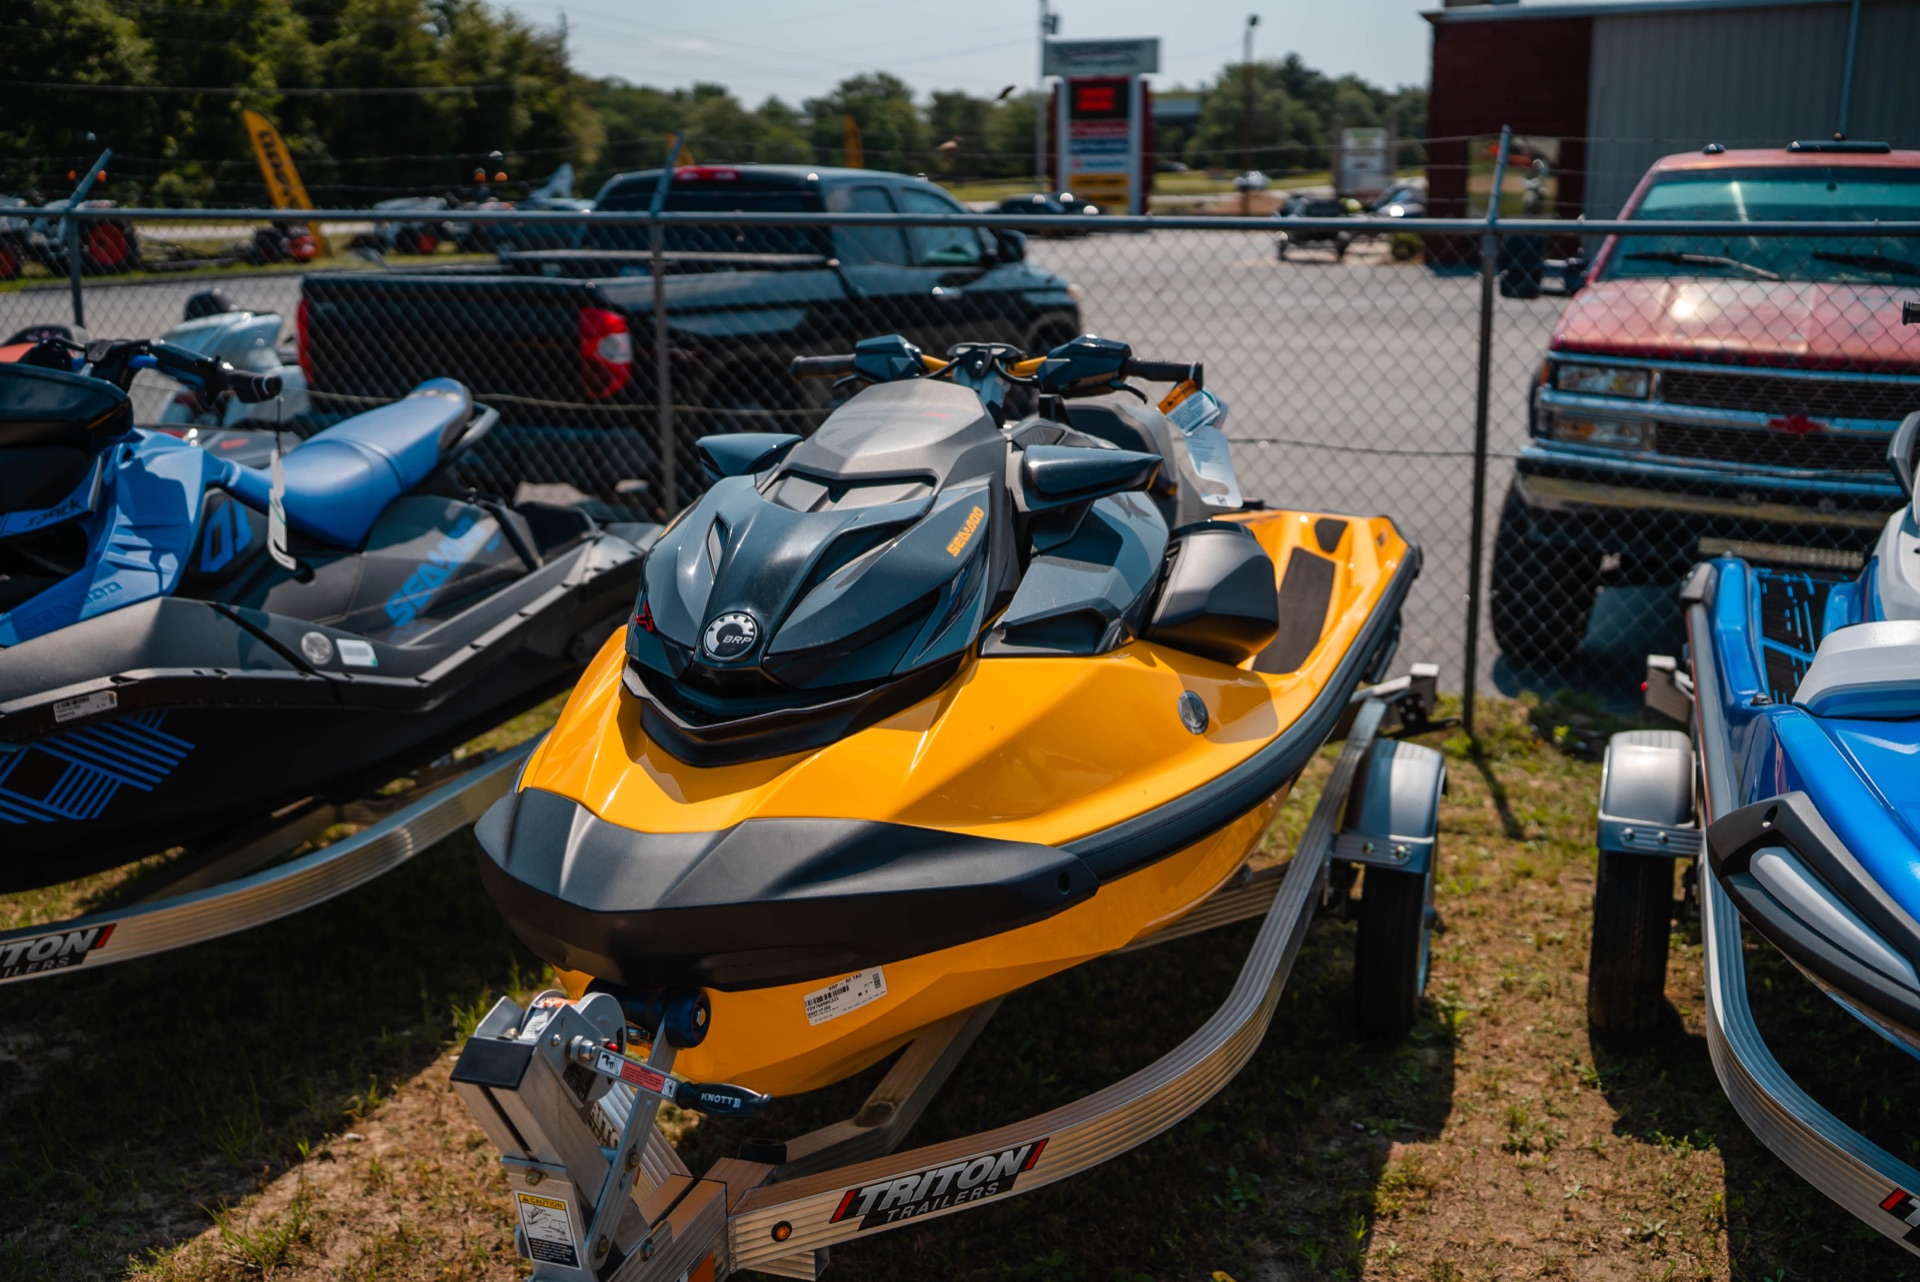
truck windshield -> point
(1800, 193)
(718, 238)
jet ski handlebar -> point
(117, 361)
(1084, 366)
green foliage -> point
(1287, 121)
(472, 78)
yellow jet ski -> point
(931, 705)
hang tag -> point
(277, 517)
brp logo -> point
(730, 637)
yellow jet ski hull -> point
(1043, 751)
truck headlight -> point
(1619, 434)
(1604, 380)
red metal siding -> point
(1530, 73)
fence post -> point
(1489, 267)
(662, 366)
(73, 272)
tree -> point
(893, 133)
(78, 41)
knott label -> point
(51, 952)
(939, 1187)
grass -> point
(276, 1104)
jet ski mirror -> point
(1900, 451)
(742, 453)
(887, 359)
(1056, 475)
(1084, 364)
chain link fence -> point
(1591, 416)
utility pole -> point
(1246, 112)
(1049, 24)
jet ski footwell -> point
(601, 1195)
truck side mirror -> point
(1575, 274)
(1011, 244)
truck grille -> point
(1818, 398)
(1826, 451)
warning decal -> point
(844, 995)
(549, 1230)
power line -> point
(282, 91)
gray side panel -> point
(1669, 82)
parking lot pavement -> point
(1351, 384)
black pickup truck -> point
(561, 341)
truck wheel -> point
(1627, 965)
(1539, 596)
(1391, 950)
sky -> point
(797, 50)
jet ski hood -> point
(871, 552)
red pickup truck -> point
(1716, 394)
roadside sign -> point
(1366, 163)
(1101, 57)
(1101, 122)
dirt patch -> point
(277, 1105)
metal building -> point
(1599, 90)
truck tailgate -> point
(513, 340)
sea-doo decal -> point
(958, 544)
(56, 951)
(939, 1187)
(1905, 1207)
(465, 538)
(75, 775)
(731, 636)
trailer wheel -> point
(9, 263)
(1391, 951)
(1627, 966)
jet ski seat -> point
(1868, 670)
(340, 480)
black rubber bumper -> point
(1792, 823)
(766, 902)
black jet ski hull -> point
(180, 723)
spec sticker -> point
(357, 654)
(84, 705)
(549, 1230)
(52, 952)
(938, 1187)
(844, 995)
(1904, 1207)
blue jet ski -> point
(167, 677)
(1801, 786)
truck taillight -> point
(303, 347)
(606, 353)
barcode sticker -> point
(84, 705)
(844, 995)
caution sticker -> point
(548, 1229)
(844, 995)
